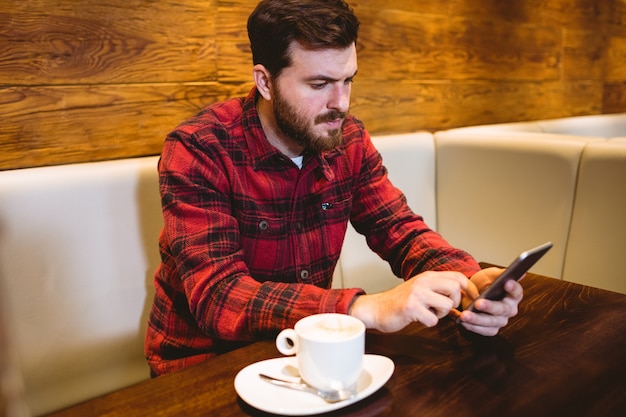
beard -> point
(296, 127)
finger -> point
(463, 281)
(481, 330)
(471, 291)
(468, 288)
(451, 298)
(514, 290)
(428, 311)
(450, 285)
(454, 314)
(441, 305)
(481, 320)
(507, 307)
(426, 316)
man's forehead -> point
(325, 63)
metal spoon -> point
(328, 396)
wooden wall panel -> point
(87, 81)
(584, 55)
(616, 59)
(398, 45)
(617, 18)
(562, 13)
(107, 41)
(614, 97)
(92, 80)
(234, 55)
(50, 125)
(614, 93)
(413, 105)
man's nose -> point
(340, 99)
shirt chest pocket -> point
(259, 226)
(330, 209)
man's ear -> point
(263, 81)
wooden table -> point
(563, 355)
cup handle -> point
(287, 342)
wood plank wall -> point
(103, 79)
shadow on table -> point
(374, 405)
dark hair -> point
(314, 24)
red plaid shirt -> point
(251, 241)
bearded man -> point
(257, 193)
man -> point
(257, 193)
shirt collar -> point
(259, 147)
(262, 152)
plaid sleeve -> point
(394, 231)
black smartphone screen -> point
(515, 271)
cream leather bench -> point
(78, 243)
(531, 126)
(499, 193)
(410, 161)
(597, 224)
(598, 125)
(78, 249)
(598, 233)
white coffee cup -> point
(329, 350)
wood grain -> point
(399, 45)
(235, 57)
(614, 97)
(107, 41)
(415, 105)
(66, 124)
(561, 355)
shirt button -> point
(264, 225)
(326, 206)
(298, 226)
(304, 274)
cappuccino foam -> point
(330, 329)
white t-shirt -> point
(298, 160)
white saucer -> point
(279, 400)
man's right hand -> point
(424, 298)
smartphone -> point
(515, 271)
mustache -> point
(330, 116)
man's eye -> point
(318, 86)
